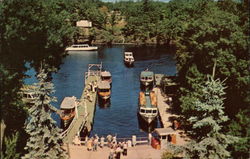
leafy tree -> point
(44, 140)
(207, 122)
(241, 128)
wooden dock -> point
(85, 110)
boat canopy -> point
(147, 74)
(103, 85)
(105, 74)
(128, 53)
(69, 103)
(165, 131)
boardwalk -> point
(167, 117)
(86, 107)
(137, 152)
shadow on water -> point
(104, 104)
(144, 126)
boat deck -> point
(148, 102)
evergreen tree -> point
(210, 142)
(45, 140)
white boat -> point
(148, 106)
(129, 58)
(81, 47)
(68, 111)
(106, 76)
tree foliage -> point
(44, 140)
(207, 124)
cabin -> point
(162, 137)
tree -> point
(44, 140)
(209, 139)
(11, 143)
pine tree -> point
(45, 140)
(210, 142)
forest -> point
(211, 39)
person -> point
(111, 153)
(95, 144)
(125, 149)
(118, 152)
(109, 139)
(77, 141)
(102, 142)
(89, 144)
(114, 140)
(129, 143)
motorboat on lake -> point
(106, 76)
(148, 106)
(103, 90)
(129, 58)
(81, 47)
(147, 78)
(68, 110)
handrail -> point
(64, 133)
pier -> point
(86, 106)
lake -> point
(120, 117)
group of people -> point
(93, 142)
(91, 87)
(117, 150)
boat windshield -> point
(106, 77)
(104, 90)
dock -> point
(86, 107)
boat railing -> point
(65, 132)
(93, 72)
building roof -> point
(147, 74)
(105, 74)
(103, 85)
(165, 131)
(68, 103)
(84, 23)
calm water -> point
(121, 116)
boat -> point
(104, 90)
(148, 109)
(106, 76)
(147, 78)
(68, 110)
(28, 95)
(81, 47)
(129, 58)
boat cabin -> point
(28, 95)
(129, 58)
(164, 136)
(106, 76)
(68, 108)
(104, 89)
(147, 78)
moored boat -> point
(28, 94)
(147, 78)
(103, 90)
(106, 76)
(68, 110)
(148, 106)
(129, 58)
(81, 47)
